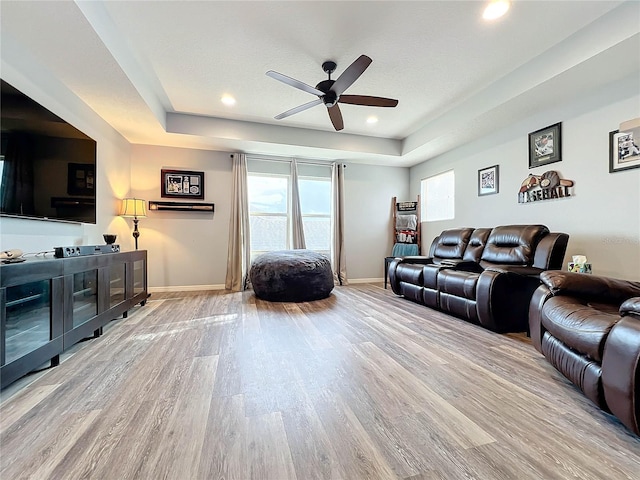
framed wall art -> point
(624, 150)
(545, 146)
(182, 184)
(488, 180)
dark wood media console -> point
(49, 304)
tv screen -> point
(47, 166)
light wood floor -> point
(363, 385)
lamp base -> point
(136, 233)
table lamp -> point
(133, 207)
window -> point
(315, 203)
(437, 194)
(269, 212)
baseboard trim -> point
(365, 280)
(196, 288)
(185, 288)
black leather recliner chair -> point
(588, 327)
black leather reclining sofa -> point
(484, 275)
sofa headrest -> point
(476, 245)
(452, 243)
(513, 244)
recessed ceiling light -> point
(496, 9)
(372, 120)
(228, 100)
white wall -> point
(185, 249)
(369, 216)
(602, 217)
(113, 165)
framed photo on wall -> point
(182, 184)
(488, 180)
(545, 146)
(624, 150)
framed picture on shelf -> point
(545, 146)
(624, 150)
(488, 180)
(182, 184)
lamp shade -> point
(133, 207)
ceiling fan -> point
(330, 92)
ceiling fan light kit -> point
(330, 92)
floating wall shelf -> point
(180, 206)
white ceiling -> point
(156, 70)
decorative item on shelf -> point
(624, 146)
(488, 180)
(12, 256)
(579, 264)
(134, 207)
(109, 238)
(545, 146)
(405, 236)
(407, 206)
(182, 184)
(544, 187)
(181, 206)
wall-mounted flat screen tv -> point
(47, 166)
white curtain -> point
(338, 258)
(297, 229)
(239, 256)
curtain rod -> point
(287, 160)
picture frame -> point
(545, 146)
(182, 184)
(624, 150)
(81, 179)
(488, 180)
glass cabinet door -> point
(28, 318)
(85, 296)
(138, 277)
(117, 284)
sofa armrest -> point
(550, 251)
(503, 299)
(592, 287)
(417, 259)
(468, 266)
(536, 329)
(399, 263)
(621, 372)
(420, 260)
(630, 306)
(517, 269)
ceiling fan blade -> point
(295, 83)
(336, 117)
(298, 109)
(351, 74)
(368, 101)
